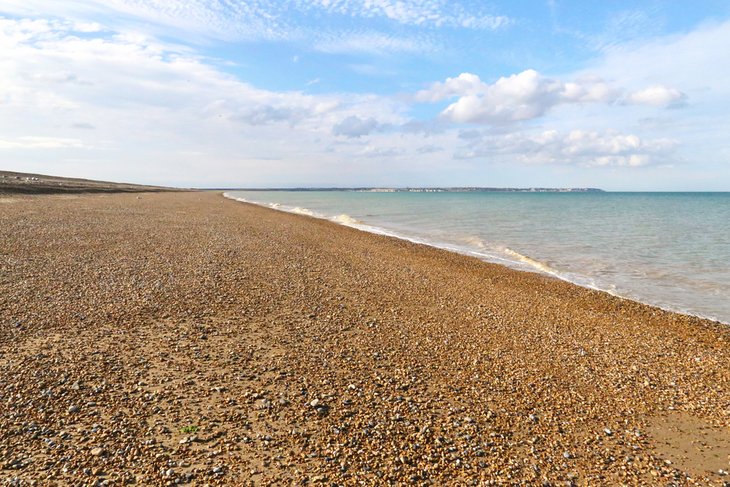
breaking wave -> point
(489, 251)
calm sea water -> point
(667, 249)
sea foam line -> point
(517, 261)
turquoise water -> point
(667, 249)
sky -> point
(620, 95)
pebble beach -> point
(185, 338)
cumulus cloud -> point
(658, 96)
(354, 126)
(576, 147)
(529, 95)
(521, 96)
(142, 100)
(147, 99)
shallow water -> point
(667, 249)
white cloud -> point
(576, 147)
(658, 96)
(34, 142)
(464, 84)
(432, 13)
(250, 19)
(354, 126)
(529, 95)
(379, 152)
(370, 42)
(102, 102)
(142, 101)
(522, 96)
(198, 20)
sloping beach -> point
(164, 338)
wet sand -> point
(170, 338)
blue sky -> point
(618, 95)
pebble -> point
(474, 345)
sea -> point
(671, 250)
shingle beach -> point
(186, 338)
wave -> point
(475, 242)
(299, 210)
(345, 219)
(541, 266)
(476, 247)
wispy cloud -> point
(92, 81)
(577, 147)
(33, 142)
(354, 126)
(249, 19)
(141, 96)
(259, 19)
(371, 43)
(430, 13)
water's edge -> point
(520, 263)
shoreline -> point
(538, 268)
(184, 337)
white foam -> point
(541, 266)
(298, 210)
(475, 247)
(345, 219)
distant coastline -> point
(456, 189)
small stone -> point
(608, 432)
(567, 455)
(73, 409)
(97, 451)
(314, 403)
